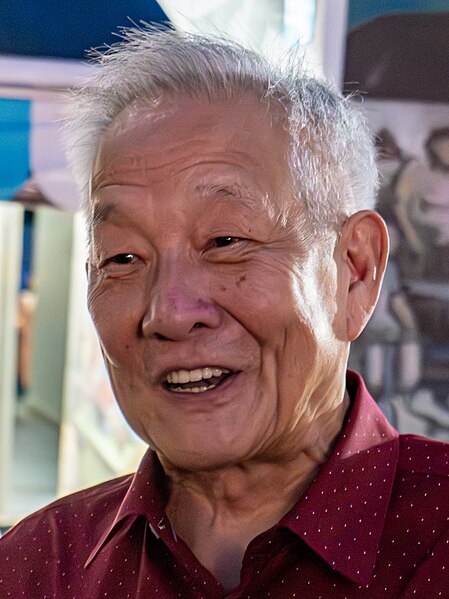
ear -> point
(362, 253)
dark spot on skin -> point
(222, 288)
(202, 304)
(127, 346)
(240, 281)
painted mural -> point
(397, 64)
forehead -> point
(148, 141)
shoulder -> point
(76, 516)
(415, 532)
(420, 455)
(421, 490)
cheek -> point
(315, 288)
(259, 296)
(309, 337)
(116, 320)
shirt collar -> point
(146, 496)
(341, 517)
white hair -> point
(331, 159)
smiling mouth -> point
(196, 381)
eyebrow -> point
(233, 191)
(101, 212)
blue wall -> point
(48, 28)
(14, 142)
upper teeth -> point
(188, 376)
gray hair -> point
(331, 159)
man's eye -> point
(120, 265)
(123, 259)
(220, 242)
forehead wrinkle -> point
(103, 177)
(178, 161)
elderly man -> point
(234, 255)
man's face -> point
(218, 318)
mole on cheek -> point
(222, 288)
(241, 280)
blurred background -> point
(60, 429)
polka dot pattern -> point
(373, 524)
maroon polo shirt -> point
(373, 523)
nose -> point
(178, 304)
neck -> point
(240, 492)
(218, 512)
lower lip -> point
(204, 395)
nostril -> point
(160, 337)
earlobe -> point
(364, 249)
